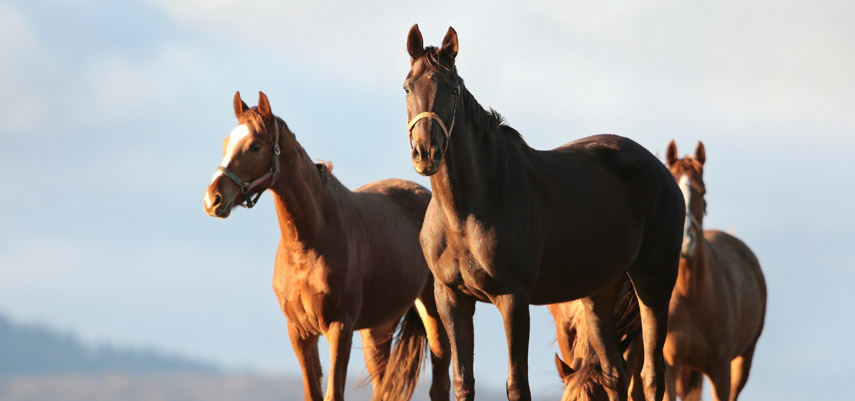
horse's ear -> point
(263, 105)
(671, 153)
(700, 153)
(240, 106)
(415, 44)
(449, 44)
(564, 370)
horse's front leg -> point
(340, 337)
(306, 349)
(515, 315)
(455, 311)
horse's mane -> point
(488, 123)
(253, 119)
(589, 376)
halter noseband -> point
(247, 187)
(693, 220)
(435, 117)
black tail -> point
(406, 360)
(628, 316)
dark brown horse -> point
(515, 226)
(346, 260)
(719, 301)
(717, 309)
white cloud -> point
(764, 63)
(117, 86)
(20, 107)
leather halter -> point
(693, 220)
(697, 224)
(247, 187)
(435, 117)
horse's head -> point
(250, 159)
(433, 96)
(689, 173)
(581, 385)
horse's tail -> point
(628, 316)
(406, 361)
(692, 385)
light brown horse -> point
(717, 309)
(719, 301)
(347, 260)
(582, 374)
(515, 226)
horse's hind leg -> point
(376, 345)
(602, 334)
(653, 276)
(739, 369)
(440, 348)
(306, 349)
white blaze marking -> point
(235, 138)
(686, 187)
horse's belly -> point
(387, 298)
(578, 272)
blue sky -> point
(113, 115)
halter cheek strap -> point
(435, 117)
(247, 187)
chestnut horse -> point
(582, 373)
(719, 301)
(515, 226)
(347, 260)
(717, 307)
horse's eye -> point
(406, 90)
(255, 147)
(454, 93)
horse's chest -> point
(468, 261)
(305, 300)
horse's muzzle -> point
(426, 162)
(216, 205)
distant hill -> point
(38, 363)
(38, 350)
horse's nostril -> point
(217, 200)
(416, 155)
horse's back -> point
(412, 197)
(636, 167)
(652, 193)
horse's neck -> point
(693, 270)
(303, 199)
(468, 167)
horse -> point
(514, 226)
(717, 307)
(582, 373)
(346, 260)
